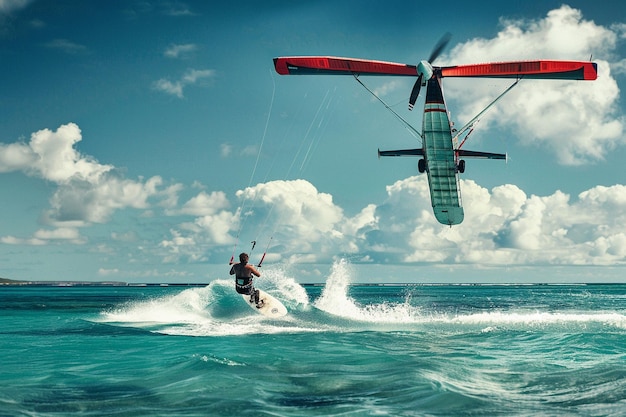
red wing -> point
(308, 65)
(547, 70)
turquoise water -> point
(342, 350)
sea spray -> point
(276, 281)
(184, 307)
(335, 300)
(214, 310)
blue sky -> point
(148, 141)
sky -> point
(149, 141)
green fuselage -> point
(440, 159)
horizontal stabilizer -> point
(486, 155)
(402, 152)
(311, 65)
(544, 70)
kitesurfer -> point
(243, 272)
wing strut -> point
(472, 122)
(408, 126)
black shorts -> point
(244, 289)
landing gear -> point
(421, 166)
(461, 166)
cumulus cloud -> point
(578, 121)
(86, 190)
(191, 241)
(303, 220)
(503, 226)
(95, 202)
(51, 156)
(298, 206)
(190, 77)
(205, 204)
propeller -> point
(415, 91)
(426, 68)
(441, 45)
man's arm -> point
(253, 270)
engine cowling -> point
(425, 71)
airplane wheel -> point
(462, 166)
(421, 166)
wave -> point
(216, 310)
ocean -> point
(343, 350)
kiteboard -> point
(271, 306)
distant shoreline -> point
(5, 282)
(15, 283)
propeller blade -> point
(415, 92)
(443, 42)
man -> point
(243, 272)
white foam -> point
(185, 307)
(539, 318)
(336, 301)
(216, 310)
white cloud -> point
(205, 204)
(130, 236)
(177, 9)
(190, 77)
(66, 46)
(578, 121)
(505, 227)
(9, 6)
(12, 240)
(87, 191)
(169, 87)
(96, 202)
(302, 219)
(502, 227)
(226, 150)
(169, 196)
(108, 272)
(388, 87)
(51, 156)
(62, 233)
(303, 212)
(619, 67)
(191, 241)
(46, 236)
(180, 50)
(15, 156)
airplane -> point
(441, 152)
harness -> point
(243, 282)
